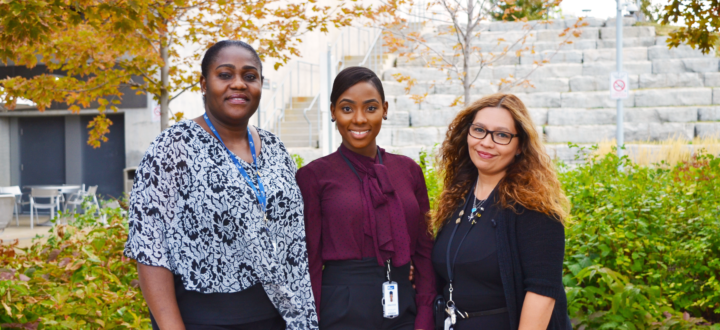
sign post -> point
(620, 82)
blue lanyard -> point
(259, 191)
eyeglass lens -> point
(497, 137)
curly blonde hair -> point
(530, 181)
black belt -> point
(467, 315)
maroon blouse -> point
(338, 227)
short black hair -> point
(349, 77)
(213, 51)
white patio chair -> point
(92, 192)
(74, 200)
(53, 204)
(15, 190)
(7, 202)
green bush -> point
(77, 279)
(642, 252)
(512, 10)
(642, 249)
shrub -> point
(642, 252)
(642, 245)
(78, 279)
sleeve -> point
(310, 189)
(424, 271)
(153, 205)
(541, 245)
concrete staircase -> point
(673, 92)
(294, 128)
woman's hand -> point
(536, 312)
(158, 288)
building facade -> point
(50, 147)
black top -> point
(530, 251)
(247, 306)
(477, 283)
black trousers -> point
(272, 324)
(352, 296)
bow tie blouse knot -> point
(384, 215)
(379, 184)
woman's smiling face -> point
(359, 113)
(233, 85)
(488, 156)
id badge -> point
(448, 324)
(391, 307)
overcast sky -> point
(598, 8)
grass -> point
(660, 30)
(668, 153)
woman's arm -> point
(422, 259)
(541, 248)
(158, 288)
(310, 189)
(536, 312)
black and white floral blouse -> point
(192, 212)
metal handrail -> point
(372, 47)
(282, 97)
(277, 114)
(308, 119)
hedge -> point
(642, 252)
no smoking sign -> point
(619, 85)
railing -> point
(356, 41)
(354, 46)
(310, 140)
(273, 109)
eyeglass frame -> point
(492, 134)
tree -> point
(459, 54)
(511, 10)
(650, 12)
(701, 23)
(93, 48)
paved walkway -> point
(23, 231)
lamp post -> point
(618, 46)
(619, 80)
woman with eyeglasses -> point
(500, 243)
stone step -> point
(702, 64)
(302, 125)
(568, 116)
(595, 133)
(291, 117)
(660, 97)
(551, 70)
(661, 51)
(633, 132)
(694, 61)
(563, 85)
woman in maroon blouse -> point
(364, 209)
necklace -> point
(475, 208)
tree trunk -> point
(164, 93)
(466, 53)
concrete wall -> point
(140, 131)
(4, 152)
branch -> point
(183, 91)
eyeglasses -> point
(498, 137)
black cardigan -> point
(531, 248)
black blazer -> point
(530, 248)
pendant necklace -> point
(476, 207)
